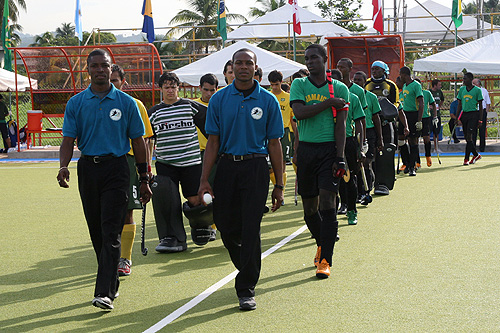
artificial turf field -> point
(425, 258)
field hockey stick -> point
(362, 167)
(296, 190)
(144, 249)
(399, 156)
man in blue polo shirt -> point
(103, 119)
(244, 124)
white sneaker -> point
(104, 303)
(124, 267)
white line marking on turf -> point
(210, 290)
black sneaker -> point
(381, 190)
(342, 209)
(266, 209)
(366, 199)
(412, 172)
(103, 302)
(213, 235)
(171, 244)
(247, 303)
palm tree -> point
(268, 6)
(13, 16)
(65, 31)
(201, 12)
(46, 39)
(14, 9)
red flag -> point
(296, 19)
(378, 16)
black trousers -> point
(240, 190)
(469, 122)
(104, 193)
(349, 191)
(482, 132)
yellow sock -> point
(128, 235)
(294, 167)
(284, 179)
(273, 177)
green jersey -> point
(470, 98)
(438, 98)
(360, 92)
(373, 108)
(355, 112)
(321, 127)
(428, 100)
(401, 100)
(410, 94)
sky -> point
(44, 16)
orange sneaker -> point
(317, 257)
(417, 166)
(429, 160)
(402, 167)
(323, 270)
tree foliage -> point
(200, 12)
(342, 10)
(489, 6)
(14, 6)
(65, 36)
(267, 6)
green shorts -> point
(286, 145)
(133, 189)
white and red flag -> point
(378, 16)
(296, 19)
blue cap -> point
(381, 64)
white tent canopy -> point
(429, 28)
(215, 62)
(268, 30)
(8, 81)
(481, 56)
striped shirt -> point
(175, 130)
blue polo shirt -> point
(244, 124)
(103, 127)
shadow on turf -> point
(30, 322)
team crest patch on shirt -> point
(115, 114)
(256, 113)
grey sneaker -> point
(124, 267)
(247, 303)
(103, 302)
(171, 244)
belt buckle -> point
(96, 160)
(237, 158)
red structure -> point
(364, 50)
(61, 72)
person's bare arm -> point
(65, 155)
(276, 157)
(140, 154)
(209, 158)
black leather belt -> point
(98, 159)
(238, 158)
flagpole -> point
(294, 47)
(456, 77)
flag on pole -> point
(456, 13)
(148, 26)
(7, 54)
(78, 21)
(221, 19)
(378, 16)
(296, 19)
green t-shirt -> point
(438, 98)
(355, 112)
(373, 108)
(321, 127)
(410, 94)
(470, 98)
(360, 92)
(428, 100)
